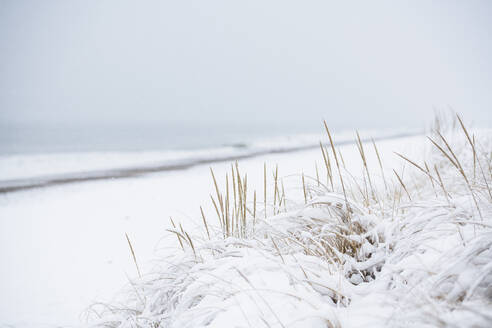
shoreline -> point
(15, 185)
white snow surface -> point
(394, 254)
(417, 263)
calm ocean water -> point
(38, 156)
(55, 139)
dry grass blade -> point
(431, 179)
(326, 160)
(450, 150)
(362, 154)
(446, 194)
(219, 196)
(278, 250)
(443, 152)
(467, 137)
(254, 206)
(218, 213)
(275, 188)
(265, 188)
(227, 207)
(426, 172)
(234, 187)
(338, 167)
(304, 189)
(460, 169)
(475, 157)
(380, 165)
(245, 208)
(133, 255)
(283, 195)
(205, 222)
(341, 158)
(177, 234)
(402, 184)
(191, 243)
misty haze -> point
(245, 164)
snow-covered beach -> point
(359, 249)
(64, 247)
(414, 251)
(246, 164)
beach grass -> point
(408, 249)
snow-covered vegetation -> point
(406, 246)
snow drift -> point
(408, 246)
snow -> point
(63, 248)
(425, 265)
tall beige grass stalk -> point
(338, 167)
(133, 255)
(456, 163)
(475, 157)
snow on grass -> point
(408, 247)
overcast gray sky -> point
(357, 64)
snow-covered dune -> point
(411, 247)
(400, 247)
(63, 248)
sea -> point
(33, 156)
